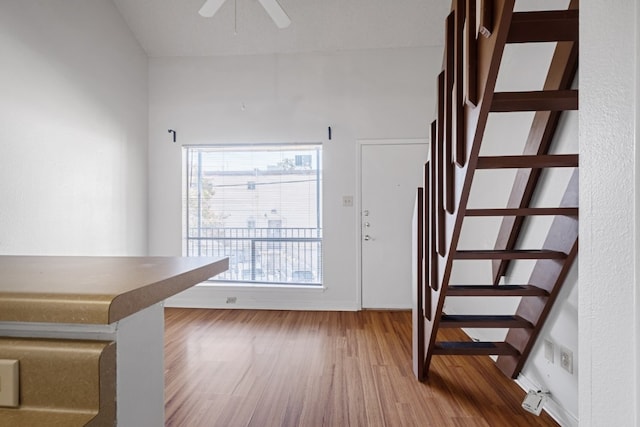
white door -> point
(391, 171)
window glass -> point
(258, 205)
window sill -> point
(249, 285)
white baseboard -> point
(551, 407)
(291, 306)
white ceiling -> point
(174, 28)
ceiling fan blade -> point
(210, 7)
(276, 12)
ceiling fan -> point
(273, 8)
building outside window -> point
(259, 205)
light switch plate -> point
(9, 383)
(548, 351)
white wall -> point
(608, 301)
(73, 130)
(288, 98)
(637, 224)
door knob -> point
(367, 237)
(366, 224)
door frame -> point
(358, 199)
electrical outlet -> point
(232, 300)
(347, 201)
(9, 383)
(566, 359)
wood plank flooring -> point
(236, 368)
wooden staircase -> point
(466, 98)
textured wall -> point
(608, 225)
(73, 130)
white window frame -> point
(258, 253)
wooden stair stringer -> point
(549, 275)
(489, 56)
(562, 71)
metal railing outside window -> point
(262, 255)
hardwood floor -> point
(292, 368)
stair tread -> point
(536, 100)
(543, 26)
(471, 348)
(522, 211)
(491, 290)
(505, 254)
(516, 162)
(483, 321)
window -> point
(260, 206)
